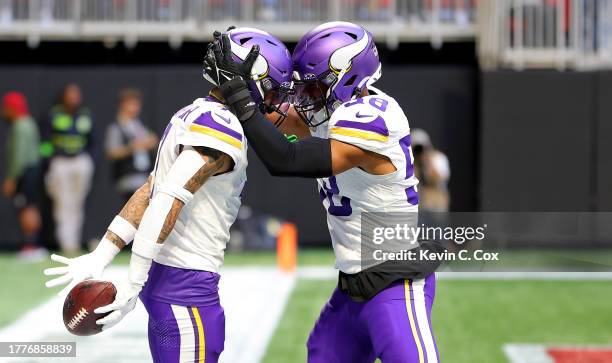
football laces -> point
(78, 318)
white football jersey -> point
(378, 124)
(201, 232)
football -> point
(79, 306)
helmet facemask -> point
(275, 104)
(313, 98)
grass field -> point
(472, 319)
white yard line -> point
(526, 353)
(329, 273)
(253, 298)
(537, 353)
(525, 275)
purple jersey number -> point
(345, 209)
(378, 103)
(411, 194)
(342, 210)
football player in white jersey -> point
(360, 153)
(180, 219)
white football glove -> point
(80, 268)
(125, 301)
(127, 290)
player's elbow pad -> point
(153, 220)
(185, 167)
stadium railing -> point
(558, 34)
(393, 21)
(510, 33)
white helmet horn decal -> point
(342, 57)
(260, 67)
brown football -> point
(83, 299)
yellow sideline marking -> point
(415, 334)
(217, 135)
(367, 135)
(201, 340)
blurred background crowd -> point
(266, 10)
(51, 162)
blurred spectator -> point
(6, 13)
(432, 169)
(216, 9)
(163, 10)
(46, 11)
(376, 10)
(269, 10)
(461, 12)
(69, 144)
(305, 10)
(605, 30)
(22, 178)
(129, 145)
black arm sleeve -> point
(309, 158)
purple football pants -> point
(394, 326)
(186, 320)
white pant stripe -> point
(421, 315)
(185, 325)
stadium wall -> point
(537, 137)
(440, 99)
(603, 134)
(545, 145)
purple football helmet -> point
(271, 70)
(333, 63)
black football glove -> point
(219, 67)
(230, 76)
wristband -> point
(122, 228)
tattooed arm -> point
(190, 171)
(215, 162)
(132, 212)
